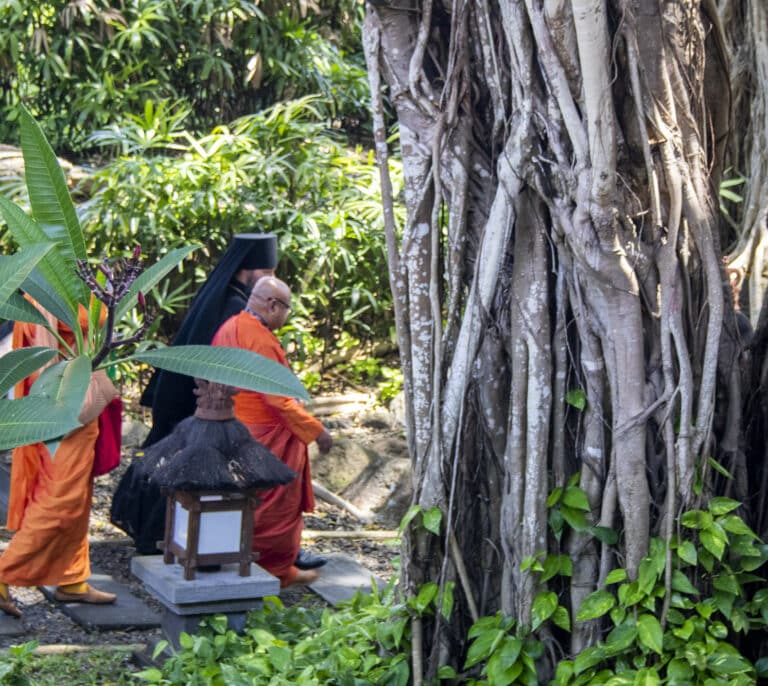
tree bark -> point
(562, 161)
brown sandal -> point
(91, 596)
(9, 607)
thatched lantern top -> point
(213, 451)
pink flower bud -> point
(142, 301)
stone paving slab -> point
(342, 577)
(167, 583)
(127, 612)
(11, 626)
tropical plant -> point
(279, 170)
(363, 641)
(79, 65)
(52, 268)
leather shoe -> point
(307, 560)
(9, 607)
(91, 596)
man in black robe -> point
(138, 507)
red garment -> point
(107, 449)
(286, 428)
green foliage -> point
(570, 506)
(430, 518)
(279, 170)
(21, 666)
(507, 653)
(51, 267)
(15, 665)
(714, 597)
(77, 66)
(372, 371)
(364, 641)
(729, 198)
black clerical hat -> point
(259, 250)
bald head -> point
(271, 299)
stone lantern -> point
(210, 469)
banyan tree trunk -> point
(558, 284)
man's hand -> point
(324, 441)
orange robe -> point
(286, 428)
(50, 499)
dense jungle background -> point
(567, 200)
(187, 122)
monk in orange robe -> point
(50, 503)
(281, 424)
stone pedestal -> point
(187, 602)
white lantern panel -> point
(219, 531)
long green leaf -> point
(65, 383)
(50, 299)
(150, 278)
(49, 197)
(14, 269)
(19, 309)
(233, 366)
(53, 267)
(29, 420)
(19, 364)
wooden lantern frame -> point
(226, 501)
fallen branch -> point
(329, 497)
(373, 535)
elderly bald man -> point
(281, 424)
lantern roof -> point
(212, 451)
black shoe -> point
(305, 560)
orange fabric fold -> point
(50, 498)
(285, 427)
(51, 543)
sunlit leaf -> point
(595, 605)
(65, 383)
(576, 398)
(49, 196)
(29, 420)
(232, 366)
(54, 269)
(19, 309)
(19, 364)
(432, 519)
(649, 632)
(15, 268)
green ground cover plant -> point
(695, 616)
(23, 666)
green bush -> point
(363, 642)
(279, 170)
(78, 65)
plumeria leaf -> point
(19, 364)
(232, 366)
